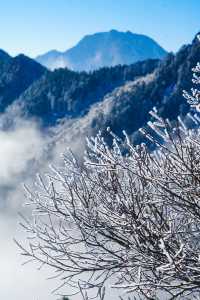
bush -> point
(125, 217)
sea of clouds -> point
(26, 150)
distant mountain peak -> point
(114, 31)
(104, 49)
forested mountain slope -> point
(64, 93)
(128, 106)
(16, 75)
(119, 97)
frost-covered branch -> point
(126, 217)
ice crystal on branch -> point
(193, 98)
(131, 220)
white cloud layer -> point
(17, 148)
(23, 152)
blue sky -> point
(36, 26)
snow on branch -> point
(124, 218)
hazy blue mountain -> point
(16, 75)
(52, 60)
(104, 49)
